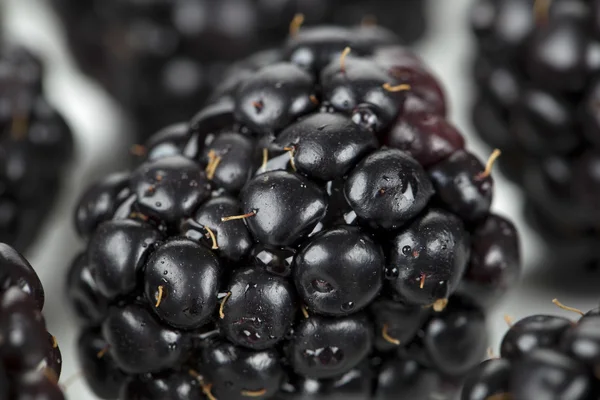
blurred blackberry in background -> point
(538, 89)
(317, 230)
(35, 145)
(30, 359)
(542, 357)
(161, 58)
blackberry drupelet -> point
(30, 360)
(537, 77)
(298, 238)
(161, 57)
(542, 357)
(35, 146)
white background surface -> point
(102, 141)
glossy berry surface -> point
(287, 207)
(36, 145)
(541, 356)
(235, 241)
(494, 265)
(340, 271)
(354, 385)
(317, 150)
(260, 310)
(536, 73)
(405, 376)
(184, 275)
(160, 80)
(102, 374)
(156, 347)
(317, 230)
(237, 373)
(428, 259)
(388, 188)
(491, 378)
(325, 348)
(172, 386)
(30, 359)
(461, 186)
(456, 339)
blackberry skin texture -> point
(35, 146)
(298, 238)
(30, 360)
(161, 58)
(536, 71)
(541, 357)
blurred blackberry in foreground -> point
(542, 357)
(35, 145)
(161, 58)
(537, 77)
(30, 360)
(318, 230)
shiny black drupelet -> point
(299, 238)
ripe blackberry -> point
(161, 57)
(30, 360)
(299, 237)
(542, 357)
(35, 144)
(536, 73)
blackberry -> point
(536, 72)
(35, 145)
(161, 57)
(299, 237)
(541, 357)
(30, 360)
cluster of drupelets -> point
(317, 228)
